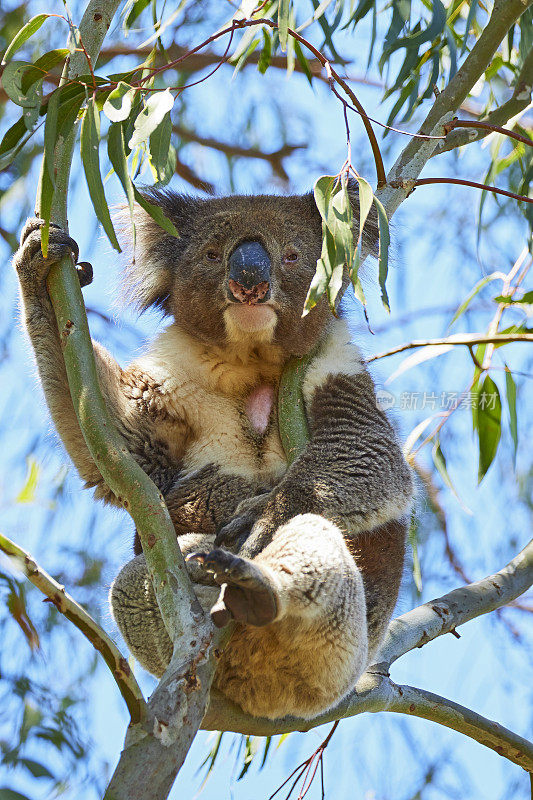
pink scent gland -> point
(259, 407)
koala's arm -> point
(132, 398)
(352, 470)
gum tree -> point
(435, 51)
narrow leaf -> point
(284, 9)
(421, 355)
(489, 412)
(27, 30)
(118, 105)
(151, 116)
(303, 62)
(159, 149)
(383, 257)
(90, 140)
(365, 203)
(266, 53)
(479, 285)
(510, 391)
(116, 150)
(156, 212)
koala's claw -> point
(30, 262)
(247, 593)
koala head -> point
(239, 272)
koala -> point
(306, 559)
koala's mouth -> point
(251, 318)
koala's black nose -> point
(249, 274)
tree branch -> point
(376, 692)
(66, 605)
(156, 745)
(417, 153)
(456, 339)
(420, 703)
(518, 102)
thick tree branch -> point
(66, 605)
(417, 153)
(517, 103)
(419, 703)
(376, 692)
(158, 744)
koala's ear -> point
(371, 230)
(154, 255)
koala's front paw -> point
(234, 533)
(248, 592)
(32, 267)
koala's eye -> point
(290, 257)
(212, 255)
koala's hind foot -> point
(249, 590)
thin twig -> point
(456, 339)
(66, 605)
(464, 123)
(473, 184)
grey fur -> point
(307, 559)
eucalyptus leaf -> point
(488, 415)
(89, 144)
(155, 108)
(510, 391)
(284, 10)
(118, 105)
(31, 27)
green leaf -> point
(479, 285)
(469, 20)
(266, 53)
(440, 463)
(37, 770)
(268, 742)
(489, 412)
(156, 212)
(90, 140)
(510, 391)
(30, 115)
(31, 27)
(27, 493)
(383, 256)
(365, 203)
(250, 749)
(135, 10)
(12, 83)
(42, 66)
(413, 542)
(159, 149)
(50, 132)
(284, 10)
(118, 105)
(9, 794)
(157, 105)
(116, 150)
(12, 136)
(303, 62)
(525, 300)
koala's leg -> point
(135, 610)
(302, 641)
(379, 555)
